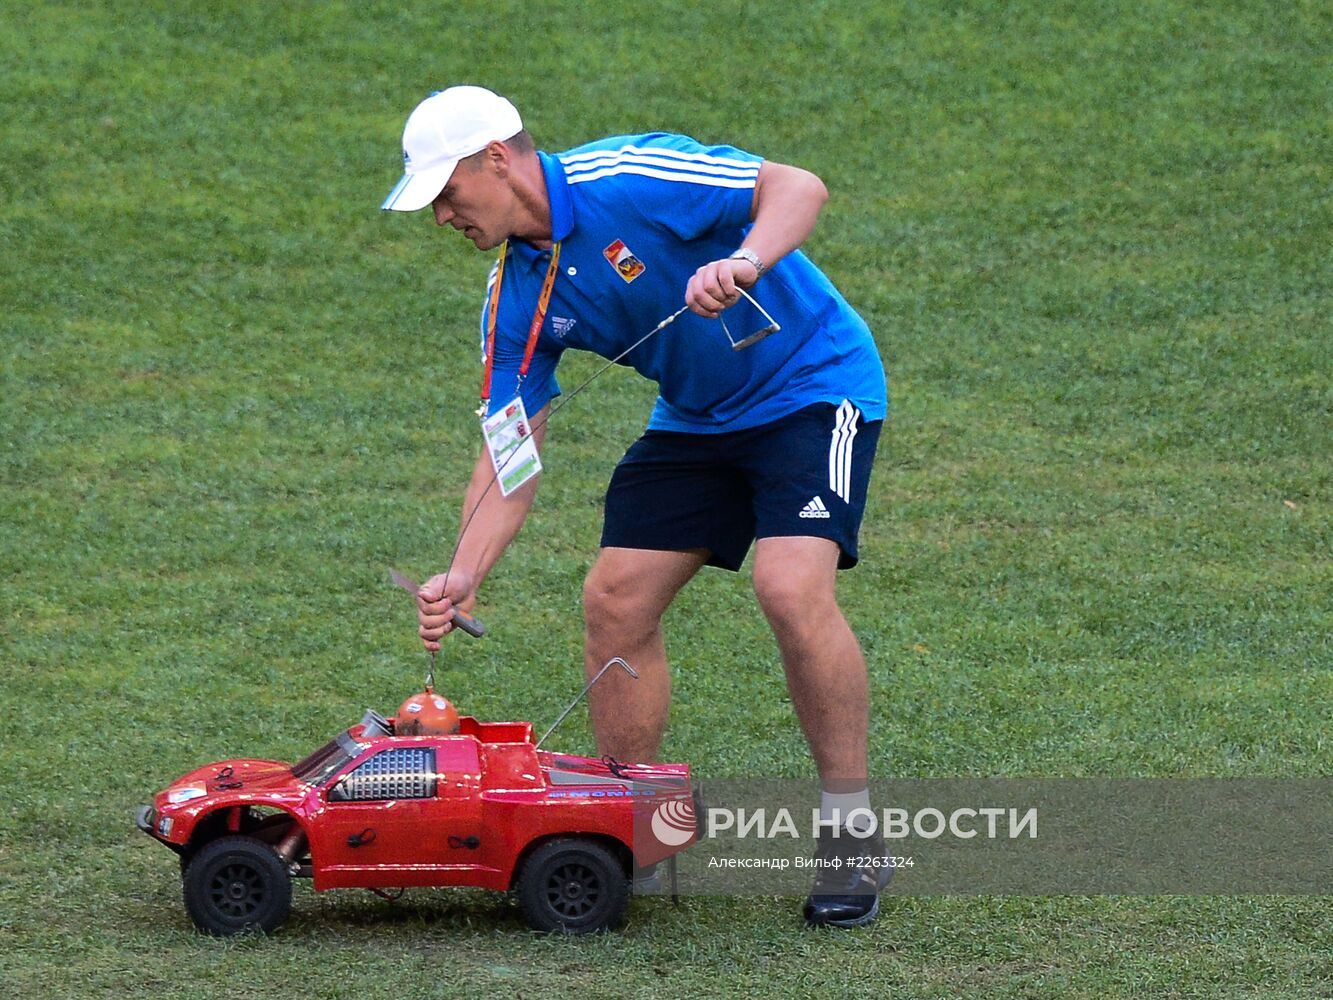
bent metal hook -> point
(616, 660)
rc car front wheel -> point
(237, 884)
(572, 885)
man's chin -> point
(482, 241)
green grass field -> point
(1094, 243)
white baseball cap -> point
(446, 127)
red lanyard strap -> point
(534, 329)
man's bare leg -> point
(624, 598)
(826, 674)
(794, 579)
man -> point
(770, 444)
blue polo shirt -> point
(636, 216)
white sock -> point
(835, 807)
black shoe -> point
(851, 873)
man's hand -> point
(786, 203)
(716, 285)
(437, 600)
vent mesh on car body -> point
(393, 774)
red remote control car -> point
(460, 803)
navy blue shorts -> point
(804, 474)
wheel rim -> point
(572, 890)
(237, 890)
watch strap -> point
(746, 254)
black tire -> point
(572, 886)
(237, 884)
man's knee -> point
(627, 591)
(793, 603)
(795, 580)
(617, 603)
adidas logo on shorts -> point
(815, 508)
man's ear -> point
(498, 158)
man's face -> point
(477, 202)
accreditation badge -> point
(512, 447)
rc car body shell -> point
(480, 801)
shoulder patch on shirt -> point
(623, 260)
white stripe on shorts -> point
(840, 450)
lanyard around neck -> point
(534, 330)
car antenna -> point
(586, 688)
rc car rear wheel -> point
(237, 884)
(573, 886)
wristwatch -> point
(745, 253)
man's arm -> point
(490, 521)
(787, 201)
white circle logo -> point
(673, 822)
